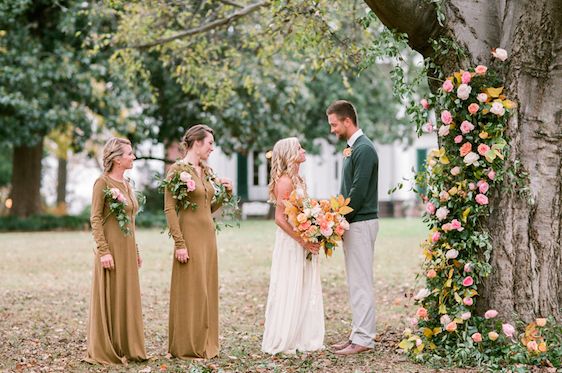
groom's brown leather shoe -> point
(353, 349)
(341, 345)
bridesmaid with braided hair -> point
(294, 315)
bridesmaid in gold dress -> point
(194, 293)
(115, 327)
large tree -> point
(526, 230)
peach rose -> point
(473, 108)
(476, 337)
(451, 327)
(421, 313)
(455, 170)
(465, 149)
(431, 273)
(480, 69)
(540, 322)
(493, 336)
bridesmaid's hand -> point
(107, 261)
(182, 255)
(139, 261)
(227, 183)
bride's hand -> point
(312, 247)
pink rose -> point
(446, 117)
(445, 319)
(466, 127)
(493, 336)
(339, 230)
(480, 69)
(471, 186)
(121, 198)
(430, 208)
(464, 91)
(465, 77)
(477, 337)
(448, 86)
(532, 346)
(435, 237)
(458, 139)
(468, 281)
(326, 231)
(508, 330)
(492, 175)
(115, 192)
(468, 301)
(413, 321)
(431, 273)
(481, 199)
(190, 185)
(465, 316)
(451, 327)
(490, 314)
(468, 267)
(455, 170)
(483, 149)
(482, 97)
(499, 53)
(473, 108)
(428, 127)
(447, 227)
(304, 226)
(444, 197)
(424, 103)
(483, 187)
(455, 224)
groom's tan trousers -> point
(358, 247)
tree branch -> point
(228, 2)
(416, 18)
(201, 29)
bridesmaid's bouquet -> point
(181, 184)
(230, 211)
(320, 221)
(117, 202)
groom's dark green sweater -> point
(360, 180)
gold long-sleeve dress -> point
(115, 327)
(194, 292)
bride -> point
(294, 315)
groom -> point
(359, 183)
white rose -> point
(442, 213)
(422, 294)
(445, 319)
(471, 158)
(443, 130)
(451, 254)
(482, 97)
(185, 176)
(455, 171)
(500, 54)
(498, 109)
(463, 91)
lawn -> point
(45, 283)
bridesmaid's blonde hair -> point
(284, 162)
(112, 149)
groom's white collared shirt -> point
(354, 137)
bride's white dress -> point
(294, 315)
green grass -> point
(46, 277)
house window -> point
(256, 169)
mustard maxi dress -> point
(194, 292)
(115, 327)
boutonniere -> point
(117, 202)
(347, 152)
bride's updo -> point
(284, 161)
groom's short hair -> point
(343, 109)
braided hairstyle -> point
(112, 149)
(284, 162)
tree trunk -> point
(61, 185)
(526, 279)
(26, 180)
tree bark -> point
(26, 180)
(526, 279)
(62, 174)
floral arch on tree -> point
(457, 181)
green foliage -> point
(43, 223)
(5, 166)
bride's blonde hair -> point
(284, 162)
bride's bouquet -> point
(318, 221)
